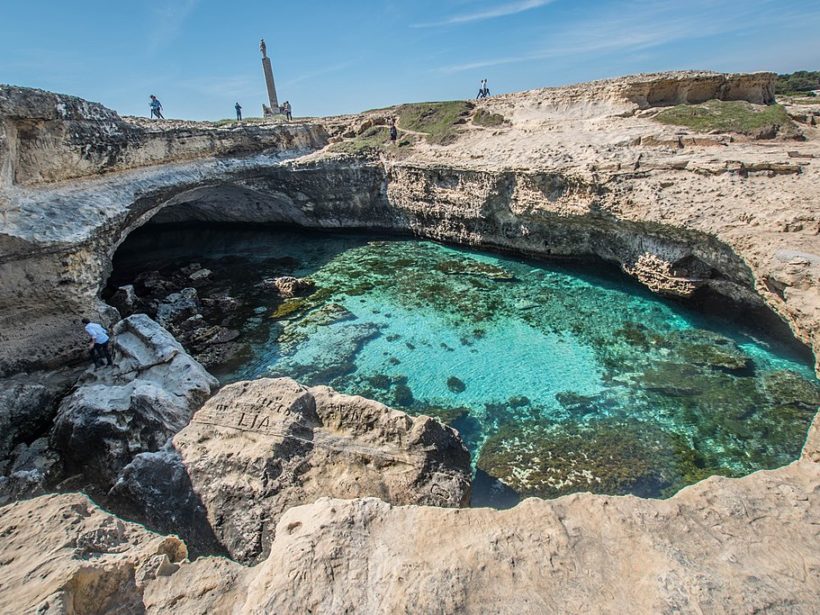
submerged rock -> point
(132, 408)
(607, 456)
(288, 286)
(258, 448)
(708, 349)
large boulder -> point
(26, 408)
(117, 413)
(258, 448)
(28, 404)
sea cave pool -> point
(559, 377)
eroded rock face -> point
(28, 405)
(62, 554)
(576, 554)
(577, 170)
(117, 413)
(26, 409)
(679, 555)
(29, 470)
(259, 448)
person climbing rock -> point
(99, 343)
(238, 108)
(156, 108)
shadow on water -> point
(164, 246)
(490, 492)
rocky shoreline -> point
(577, 171)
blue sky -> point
(200, 56)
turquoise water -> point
(560, 378)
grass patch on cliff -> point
(440, 121)
(487, 119)
(374, 139)
(729, 116)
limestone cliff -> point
(581, 170)
(259, 448)
(586, 170)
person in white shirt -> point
(99, 343)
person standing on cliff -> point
(238, 108)
(156, 108)
(287, 110)
(99, 343)
(394, 132)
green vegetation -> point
(440, 121)
(728, 116)
(800, 82)
(605, 456)
(371, 140)
(288, 308)
(487, 119)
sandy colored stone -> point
(579, 170)
(60, 554)
(258, 448)
(580, 553)
(577, 554)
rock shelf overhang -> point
(569, 175)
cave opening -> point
(560, 376)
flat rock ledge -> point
(722, 546)
(258, 448)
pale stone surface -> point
(577, 554)
(258, 448)
(722, 546)
(117, 413)
(60, 554)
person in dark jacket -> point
(238, 108)
(156, 108)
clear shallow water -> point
(559, 378)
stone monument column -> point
(266, 67)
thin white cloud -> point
(168, 19)
(637, 26)
(511, 8)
